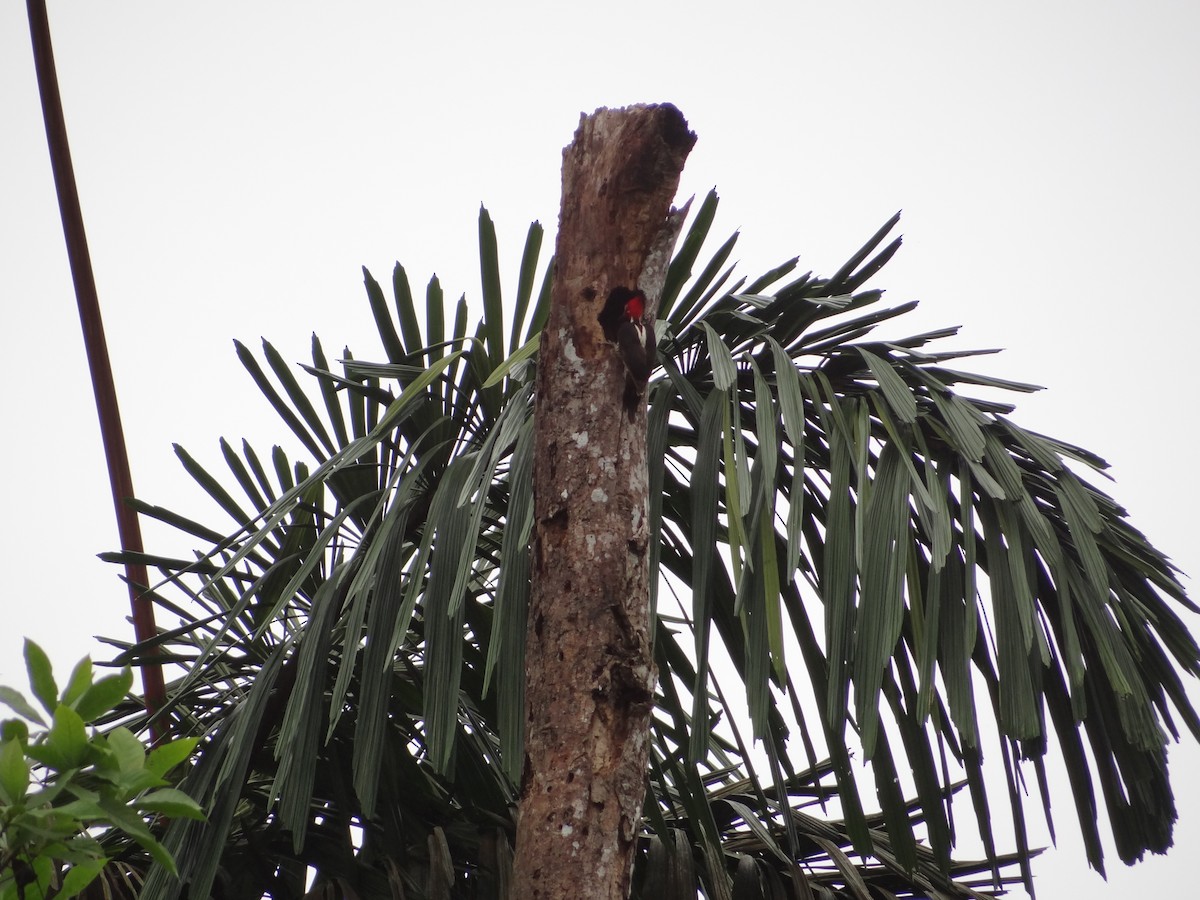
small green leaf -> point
(79, 877)
(104, 695)
(723, 368)
(899, 395)
(736, 500)
(41, 676)
(529, 259)
(171, 802)
(131, 823)
(80, 681)
(16, 701)
(66, 740)
(130, 753)
(166, 757)
(86, 808)
(528, 349)
(47, 825)
(81, 848)
(130, 784)
(770, 582)
(963, 421)
(14, 730)
(493, 304)
(14, 772)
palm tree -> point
(851, 558)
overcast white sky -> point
(238, 163)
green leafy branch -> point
(62, 790)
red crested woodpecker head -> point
(635, 306)
(622, 306)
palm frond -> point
(877, 564)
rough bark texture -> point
(589, 671)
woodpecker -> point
(622, 321)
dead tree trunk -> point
(589, 670)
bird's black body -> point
(622, 321)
